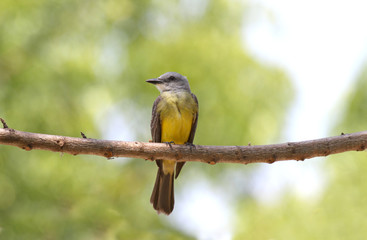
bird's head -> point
(170, 81)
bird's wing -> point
(194, 121)
(155, 125)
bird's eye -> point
(171, 78)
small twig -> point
(83, 135)
(4, 123)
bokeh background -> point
(263, 71)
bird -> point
(174, 120)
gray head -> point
(171, 81)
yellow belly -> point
(176, 114)
(176, 127)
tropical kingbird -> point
(174, 120)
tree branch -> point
(208, 154)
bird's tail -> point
(162, 196)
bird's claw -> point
(191, 145)
(170, 143)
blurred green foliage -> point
(63, 63)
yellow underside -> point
(176, 127)
(177, 113)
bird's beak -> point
(154, 81)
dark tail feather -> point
(162, 196)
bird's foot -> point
(191, 145)
(170, 143)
